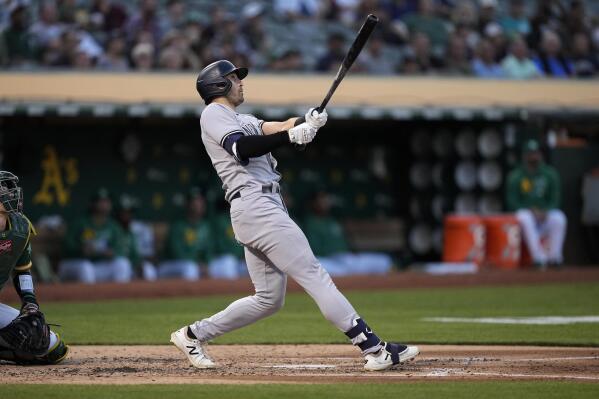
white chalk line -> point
(425, 360)
(540, 320)
(301, 366)
(547, 376)
(448, 373)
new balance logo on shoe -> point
(192, 350)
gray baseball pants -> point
(275, 247)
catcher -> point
(25, 337)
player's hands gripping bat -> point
(355, 49)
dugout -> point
(397, 153)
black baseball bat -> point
(353, 52)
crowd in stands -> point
(111, 244)
(484, 38)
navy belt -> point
(267, 188)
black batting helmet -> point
(212, 83)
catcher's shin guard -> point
(56, 354)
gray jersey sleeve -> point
(218, 123)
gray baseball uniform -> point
(274, 245)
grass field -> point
(529, 390)
(394, 314)
(397, 315)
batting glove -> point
(315, 119)
(302, 133)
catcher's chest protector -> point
(12, 244)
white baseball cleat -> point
(389, 356)
(193, 349)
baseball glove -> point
(27, 334)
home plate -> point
(301, 366)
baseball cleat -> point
(391, 355)
(193, 349)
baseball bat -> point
(353, 52)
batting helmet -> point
(212, 82)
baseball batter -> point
(240, 146)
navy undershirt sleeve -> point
(243, 147)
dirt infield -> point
(397, 280)
(247, 364)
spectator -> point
(517, 64)
(484, 64)
(548, 17)
(551, 59)
(176, 42)
(93, 246)
(494, 33)
(229, 261)
(229, 34)
(584, 61)
(189, 243)
(252, 28)
(176, 15)
(465, 20)
(516, 23)
(108, 16)
(52, 55)
(81, 60)
(217, 18)
(328, 243)
(289, 61)
(142, 56)
(426, 22)
(142, 267)
(296, 9)
(457, 62)
(192, 31)
(575, 20)
(47, 27)
(114, 59)
(16, 39)
(335, 53)
(487, 14)
(533, 191)
(69, 11)
(418, 58)
(171, 59)
(145, 20)
(374, 60)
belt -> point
(267, 188)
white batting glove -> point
(302, 133)
(316, 120)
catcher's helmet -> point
(212, 83)
(11, 195)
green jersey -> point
(225, 237)
(325, 235)
(15, 248)
(129, 247)
(98, 237)
(190, 241)
(539, 190)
